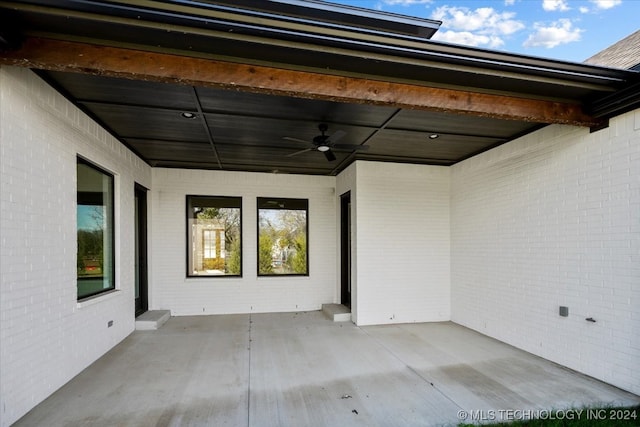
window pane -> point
(282, 237)
(95, 260)
(214, 236)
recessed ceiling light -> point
(434, 136)
(188, 115)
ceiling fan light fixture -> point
(323, 148)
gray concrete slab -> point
(323, 374)
(301, 369)
(481, 373)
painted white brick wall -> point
(170, 289)
(403, 243)
(46, 338)
(346, 182)
(553, 219)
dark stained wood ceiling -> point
(248, 129)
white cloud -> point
(484, 19)
(552, 5)
(509, 2)
(599, 5)
(555, 34)
(606, 4)
(480, 27)
(469, 39)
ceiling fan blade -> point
(329, 155)
(337, 135)
(299, 152)
(350, 147)
(288, 138)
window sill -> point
(214, 276)
(282, 276)
(98, 298)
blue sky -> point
(90, 217)
(571, 30)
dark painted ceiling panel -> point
(180, 151)
(315, 111)
(419, 145)
(251, 130)
(128, 92)
(269, 160)
(432, 121)
(259, 132)
(147, 122)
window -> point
(210, 243)
(214, 236)
(96, 260)
(283, 237)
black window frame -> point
(84, 198)
(233, 202)
(282, 203)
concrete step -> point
(152, 320)
(337, 312)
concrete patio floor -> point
(300, 369)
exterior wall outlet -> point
(109, 323)
(564, 311)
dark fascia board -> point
(343, 14)
(317, 16)
(619, 102)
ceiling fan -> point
(325, 143)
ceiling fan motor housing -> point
(321, 140)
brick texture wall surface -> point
(549, 220)
(47, 337)
(403, 253)
(171, 289)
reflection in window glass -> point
(214, 236)
(211, 243)
(95, 258)
(282, 236)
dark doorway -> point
(141, 282)
(345, 249)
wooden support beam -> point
(57, 55)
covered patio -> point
(421, 181)
(301, 369)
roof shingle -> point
(623, 54)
